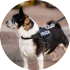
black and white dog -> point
(29, 43)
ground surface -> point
(41, 16)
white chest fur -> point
(26, 47)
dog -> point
(29, 43)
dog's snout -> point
(6, 22)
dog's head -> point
(22, 24)
(19, 20)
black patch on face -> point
(21, 18)
(16, 18)
(20, 21)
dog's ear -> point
(21, 13)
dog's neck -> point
(24, 33)
(16, 32)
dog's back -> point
(57, 37)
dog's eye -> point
(13, 21)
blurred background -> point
(41, 12)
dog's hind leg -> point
(40, 61)
(54, 56)
(64, 41)
(25, 61)
(64, 48)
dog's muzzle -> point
(7, 23)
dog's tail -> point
(64, 42)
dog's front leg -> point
(25, 61)
(40, 61)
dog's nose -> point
(6, 22)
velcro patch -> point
(45, 33)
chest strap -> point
(26, 38)
(32, 37)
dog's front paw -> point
(25, 68)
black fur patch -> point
(57, 37)
(16, 18)
(40, 46)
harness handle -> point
(59, 20)
(54, 23)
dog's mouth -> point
(8, 26)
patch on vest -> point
(45, 33)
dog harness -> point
(43, 34)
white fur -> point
(25, 61)
(40, 61)
(62, 45)
(46, 52)
(12, 25)
(26, 47)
